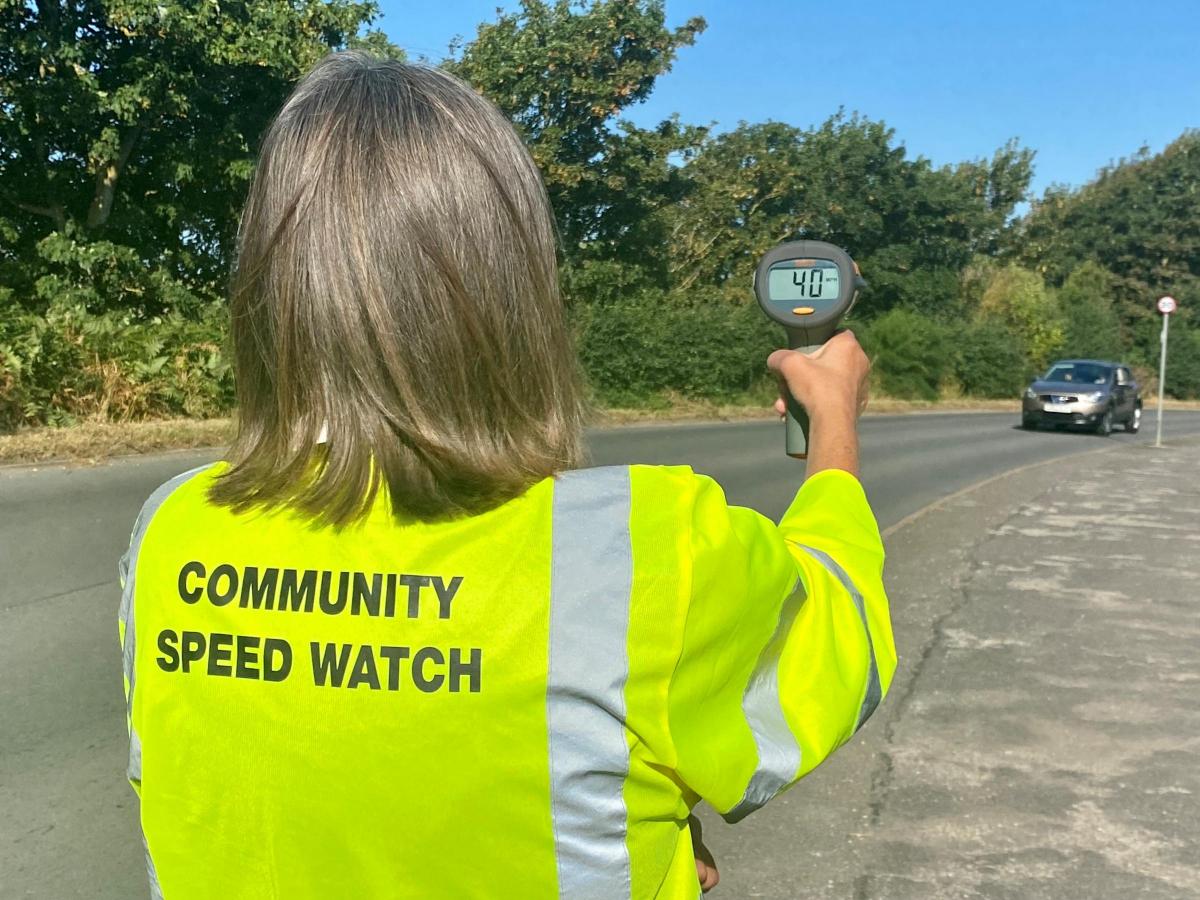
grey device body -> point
(807, 287)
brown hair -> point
(396, 285)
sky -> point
(1082, 82)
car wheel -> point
(1135, 421)
(1028, 423)
(1105, 425)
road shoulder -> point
(1038, 741)
(1047, 742)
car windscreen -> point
(1079, 373)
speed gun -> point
(807, 287)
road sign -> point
(1167, 305)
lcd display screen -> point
(803, 279)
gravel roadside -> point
(1050, 747)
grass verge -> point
(93, 442)
(97, 441)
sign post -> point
(1166, 306)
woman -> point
(398, 644)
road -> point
(68, 828)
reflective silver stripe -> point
(133, 771)
(874, 691)
(127, 570)
(591, 578)
(779, 754)
(155, 888)
(778, 750)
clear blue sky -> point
(1082, 82)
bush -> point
(1183, 363)
(706, 347)
(36, 357)
(68, 365)
(989, 361)
(909, 353)
(1183, 356)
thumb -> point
(788, 362)
(780, 360)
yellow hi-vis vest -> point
(521, 704)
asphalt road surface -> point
(67, 818)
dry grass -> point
(701, 411)
(94, 442)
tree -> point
(912, 227)
(1002, 184)
(1140, 220)
(1091, 327)
(1019, 300)
(563, 72)
(127, 136)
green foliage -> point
(1092, 330)
(1183, 363)
(912, 227)
(1183, 356)
(99, 275)
(1140, 220)
(132, 125)
(128, 131)
(563, 72)
(910, 354)
(641, 346)
(989, 360)
(1019, 300)
(67, 365)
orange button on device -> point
(803, 310)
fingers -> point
(708, 875)
(833, 378)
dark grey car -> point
(1084, 393)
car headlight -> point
(1030, 394)
(1093, 397)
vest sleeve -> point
(787, 645)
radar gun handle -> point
(797, 415)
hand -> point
(831, 385)
(706, 866)
(832, 381)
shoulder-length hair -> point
(396, 293)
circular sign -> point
(1167, 305)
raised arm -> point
(787, 648)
